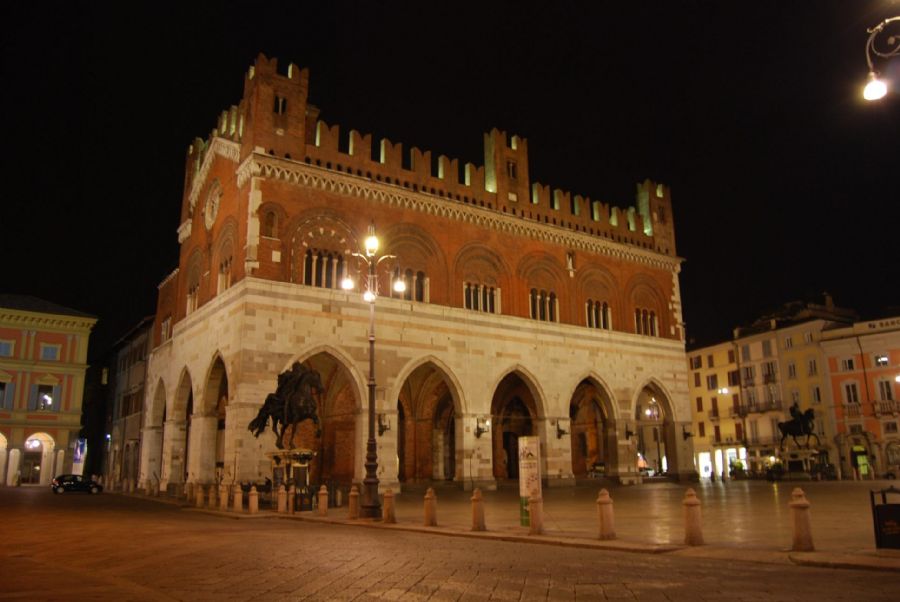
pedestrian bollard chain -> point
(282, 499)
(799, 506)
(322, 510)
(430, 508)
(536, 515)
(354, 502)
(478, 511)
(693, 530)
(605, 515)
(388, 516)
(238, 505)
(253, 500)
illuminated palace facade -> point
(528, 311)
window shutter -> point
(32, 398)
(57, 398)
(9, 401)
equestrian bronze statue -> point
(801, 424)
(294, 401)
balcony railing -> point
(764, 406)
(886, 407)
(748, 382)
(852, 410)
(738, 412)
(770, 378)
(714, 413)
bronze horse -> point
(294, 401)
(800, 424)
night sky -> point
(784, 181)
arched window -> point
(645, 322)
(551, 313)
(224, 282)
(270, 224)
(534, 300)
(480, 297)
(323, 268)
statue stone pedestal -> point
(291, 467)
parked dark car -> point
(74, 482)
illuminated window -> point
(881, 360)
(44, 398)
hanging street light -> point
(877, 88)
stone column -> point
(478, 511)
(388, 516)
(693, 531)
(253, 500)
(322, 509)
(223, 496)
(802, 536)
(430, 508)
(282, 499)
(536, 515)
(354, 503)
(605, 515)
(238, 498)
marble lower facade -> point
(455, 389)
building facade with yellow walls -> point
(718, 431)
(43, 358)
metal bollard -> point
(799, 506)
(430, 508)
(199, 494)
(536, 515)
(238, 498)
(353, 506)
(323, 501)
(282, 499)
(605, 515)
(253, 500)
(693, 530)
(478, 511)
(388, 516)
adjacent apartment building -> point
(43, 358)
(772, 365)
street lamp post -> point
(876, 89)
(371, 506)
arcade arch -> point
(515, 412)
(593, 429)
(37, 459)
(338, 410)
(213, 412)
(428, 427)
(655, 430)
(178, 430)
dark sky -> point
(784, 182)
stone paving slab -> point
(574, 525)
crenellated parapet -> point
(275, 118)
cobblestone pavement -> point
(115, 547)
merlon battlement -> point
(274, 117)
